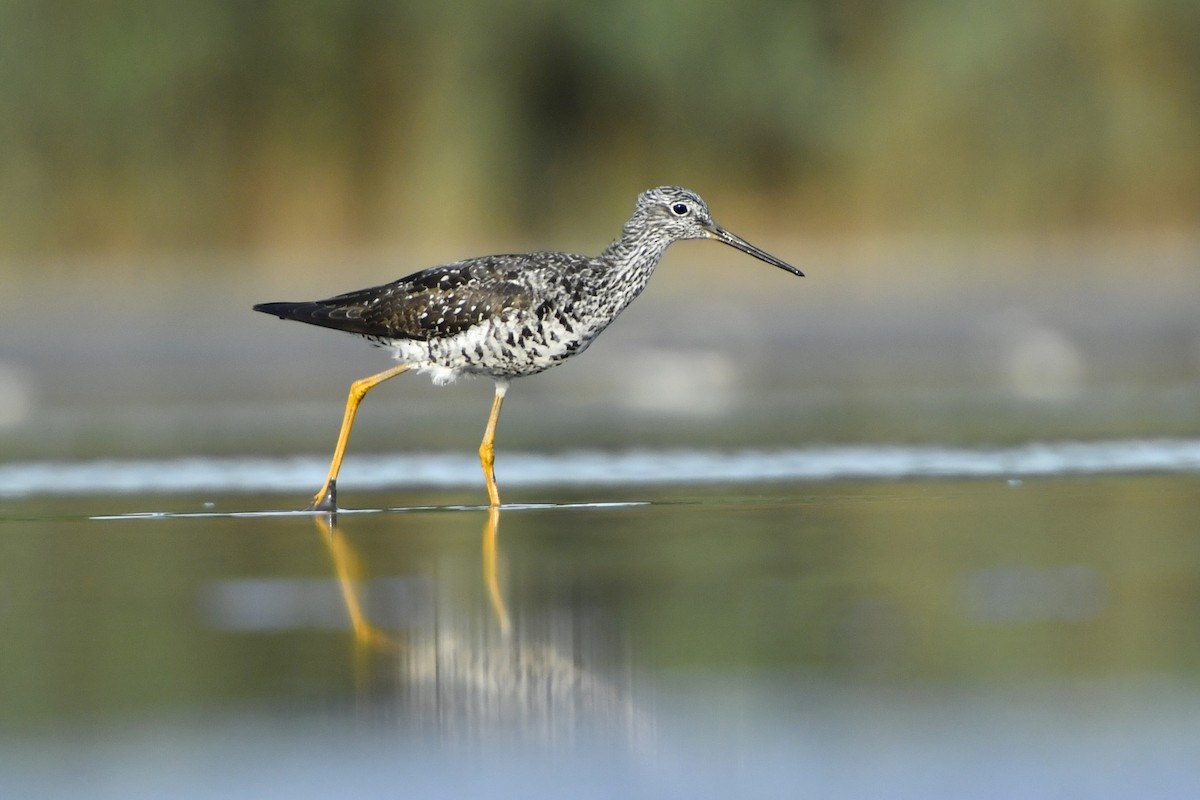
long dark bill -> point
(722, 235)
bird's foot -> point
(326, 499)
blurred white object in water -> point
(16, 395)
(1043, 364)
(697, 383)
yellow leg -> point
(487, 449)
(326, 499)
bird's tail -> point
(324, 314)
(302, 312)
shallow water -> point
(1008, 634)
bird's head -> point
(679, 213)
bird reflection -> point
(552, 674)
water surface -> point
(943, 637)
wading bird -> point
(507, 316)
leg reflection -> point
(349, 574)
(490, 578)
(348, 571)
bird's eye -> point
(679, 209)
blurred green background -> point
(223, 124)
(996, 206)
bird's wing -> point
(437, 302)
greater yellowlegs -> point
(506, 316)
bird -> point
(507, 316)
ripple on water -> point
(594, 468)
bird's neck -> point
(633, 257)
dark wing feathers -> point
(434, 303)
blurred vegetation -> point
(130, 125)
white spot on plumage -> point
(440, 375)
